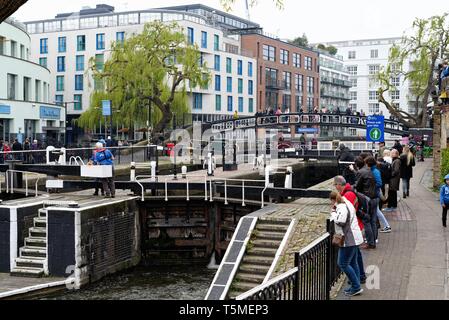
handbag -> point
(338, 240)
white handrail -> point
(10, 181)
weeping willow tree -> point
(415, 60)
(158, 66)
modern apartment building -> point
(288, 76)
(26, 110)
(66, 44)
(363, 60)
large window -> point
(43, 62)
(396, 81)
(229, 84)
(13, 48)
(203, 39)
(79, 82)
(78, 98)
(308, 63)
(373, 108)
(374, 54)
(228, 65)
(297, 60)
(99, 61)
(351, 55)
(310, 85)
(217, 62)
(250, 87)
(218, 102)
(353, 95)
(240, 86)
(26, 89)
(374, 69)
(60, 83)
(269, 53)
(79, 63)
(352, 70)
(240, 104)
(251, 105)
(190, 36)
(373, 95)
(217, 83)
(44, 46)
(217, 44)
(197, 101)
(59, 99)
(120, 37)
(100, 41)
(395, 94)
(37, 90)
(62, 44)
(271, 76)
(230, 104)
(239, 67)
(298, 103)
(250, 69)
(61, 64)
(354, 83)
(287, 76)
(81, 43)
(299, 83)
(284, 56)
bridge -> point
(301, 119)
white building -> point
(26, 110)
(65, 45)
(363, 60)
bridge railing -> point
(315, 273)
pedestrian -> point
(374, 203)
(303, 141)
(346, 191)
(104, 157)
(7, 151)
(398, 146)
(346, 226)
(27, 148)
(444, 199)
(236, 115)
(346, 156)
(35, 156)
(382, 149)
(394, 181)
(17, 148)
(407, 164)
(2, 156)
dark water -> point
(162, 283)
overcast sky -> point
(320, 20)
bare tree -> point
(8, 7)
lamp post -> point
(149, 123)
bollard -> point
(210, 169)
(133, 171)
(184, 172)
(268, 170)
(289, 178)
(153, 165)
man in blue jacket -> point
(104, 157)
(444, 199)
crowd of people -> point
(20, 151)
(366, 190)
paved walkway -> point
(413, 259)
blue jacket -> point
(377, 177)
(103, 158)
(444, 195)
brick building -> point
(288, 75)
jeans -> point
(370, 222)
(445, 215)
(348, 263)
(360, 264)
(382, 218)
(406, 185)
(392, 199)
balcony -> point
(335, 95)
(274, 84)
(337, 82)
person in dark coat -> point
(347, 156)
(407, 164)
(398, 146)
(17, 146)
(394, 181)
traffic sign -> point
(375, 129)
(107, 110)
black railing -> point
(315, 273)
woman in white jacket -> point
(345, 220)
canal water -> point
(162, 283)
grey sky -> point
(320, 20)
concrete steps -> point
(32, 258)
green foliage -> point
(300, 41)
(158, 65)
(331, 49)
(444, 164)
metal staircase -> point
(32, 260)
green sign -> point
(375, 134)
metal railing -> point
(9, 179)
(315, 273)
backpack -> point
(385, 170)
(363, 205)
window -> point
(228, 65)
(59, 99)
(239, 67)
(251, 105)
(310, 104)
(240, 104)
(217, 63)
(81, 43)
(310, 86)
(297, 60)
(100, 41)
(250, 87)
(120, 37)
(299, 85)
(190, 36)
(37, 90)
(99, 61)
(217, 83)
(286, 102)
(229, 85)
(250, 69)
(271, 76)
(98, 84)
(353, 106)
(203, 39)
(354, 82)
(373, 95)
(396, 81)
(230, 104)
(352, 70)
(61, 64)
(217, 44)
(13, 49)
(43, 62)
(373, 69)
(79, 82)
(60, 83)
(62, 44)
(44, 46)
(374, 54)
(217, 102)
(269, 53)
(351, 55)
(197, 101)
(79, 63)
(287, 80)
(308, 63)
(240, 86)
(395, 94)
(26, 89)
(353, 95)
(22, 51)
(373, 108)
(284, 56)
(78, 98)
(298, 103)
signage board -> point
(375, 129)
(50, 113)
(5, 109)
(106, 106)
